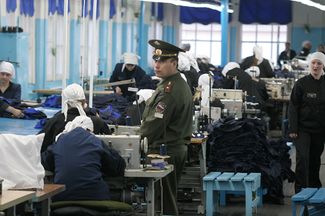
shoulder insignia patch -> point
(168, 88)
(159, 110)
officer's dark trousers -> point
(309, 148)
(170, 182)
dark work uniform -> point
(79, 160)
(167, 119)
(12, 92)
(307, 119)
(286, 56)
(142, 80)
(56, 125)
(265, 67)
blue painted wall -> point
(299, 34)
(74, 67)
(103, 48)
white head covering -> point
(317, 55)
(253, 71)
(72, 96)
(130, 58)
(183, 62)
(7, 67)
(258, 53)
(80, 121)
(228, 67)
(203, 83)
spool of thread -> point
(163, 149)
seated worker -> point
(187, 65)
(305, 50)
(8, 89)
(246, 81)
(73, 104)
(79, 160)
(266, 69)
(4, 107)
(127, 70)
(286, 55)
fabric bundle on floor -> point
(241, 146)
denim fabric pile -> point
(242, 146)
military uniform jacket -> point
(167, 117)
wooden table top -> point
(48, 191)
(10, 198)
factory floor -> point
(236, 205)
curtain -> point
(27, 7)
(265, 11)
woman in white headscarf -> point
(73, 104)
(9, 90)
(130, 69)
(307, 122)
(79, 160)
(257, 59)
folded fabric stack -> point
(242, 146)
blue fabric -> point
(91, 8)
(41, 123)
(31, 113)
(27, 7)
(89, 11)
(57, 6)
(112, 9)
(159, 13)
(265, 12)
(53, 101)
(11, 5)
(189, 15)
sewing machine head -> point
(128, 146)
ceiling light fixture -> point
(190, 4)
(311, 3)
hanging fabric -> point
(11, 5)
(265, 12)
(112, 9)
(27, 7)
(89, 8)
(205, 16)
(57, 6)
(157, 10)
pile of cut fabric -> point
(241, 146)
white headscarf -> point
(203, 83)
(253, 71)
(7, 67)
(130, 58)
(80, 121)
(72, 96)
(317, 55)
(228, 67)
(258, 53)
(186, 60)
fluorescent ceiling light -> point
(190, 4)
(311, 3)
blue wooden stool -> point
(233, 182)
(309, 197)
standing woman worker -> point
(307, 123)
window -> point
(270, 37)
(55, 48)
(28, 24)
(205, 40)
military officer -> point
(167, 118)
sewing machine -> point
(124, 130)
(232, 99)
(128, 146)
(278, 87)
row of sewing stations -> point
(125, 140)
